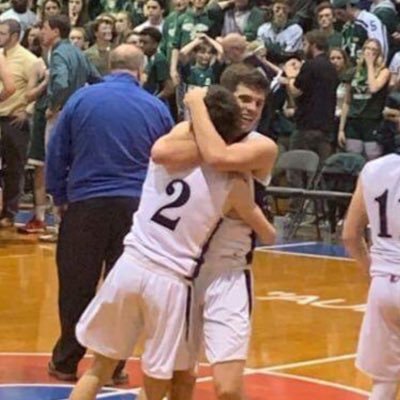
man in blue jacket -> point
(96, 164)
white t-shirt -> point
(26, 19)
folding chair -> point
(339, 173)
(305, 164)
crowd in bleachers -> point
(333, 67)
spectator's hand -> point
(194, 95)
(292, 67)
(396, 36)
(19, 119)
(341, 139)
(201, 36)
(369, 57)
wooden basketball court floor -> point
(307, 315)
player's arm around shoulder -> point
(241, 200)
(354, 226)
(177, 150)
(254, 155)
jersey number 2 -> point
(383, 227)
(182, 199)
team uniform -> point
(223, 291)
(378, 352)
(149, 288)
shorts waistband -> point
(144, 262)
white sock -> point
(384, 390)
(40, 212)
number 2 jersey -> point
(381, 188)
(177, 216)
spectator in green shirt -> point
(157, 80)
(200, 59)
(190, 23)
(326, 18)
(169, 27)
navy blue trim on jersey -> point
(249, 255)
(249, 289)
(362, 23)
(204, 249)
(187, 312)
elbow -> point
(269, 237)
(159, 153)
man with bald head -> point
(96, 165)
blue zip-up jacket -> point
(100, 146)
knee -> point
(229, 389)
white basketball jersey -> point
(177, 215)
(381, 185)
(233, 242)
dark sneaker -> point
(33, 226)
(61, 376)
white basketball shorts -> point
(378, 352)
(136, 299)
(223, 303)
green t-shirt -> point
(189, 24)
(157, 71)
(168, 34)
(335, 40)
(195, 76)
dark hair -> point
(43, 6)
(13, 26)
(246, 75)
(161, 3)
(319, 39)
(154, 33)
(204, 46)
(224, 112)
(322, 6)
(60, 22)
(83, 17)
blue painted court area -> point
(49, 392)
(24, 216)
(311, 248)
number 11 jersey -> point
(381, 189)
(177, 216)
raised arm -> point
(177, 150)
(250, 156)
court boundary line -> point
(273, 251)
(285, 245)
